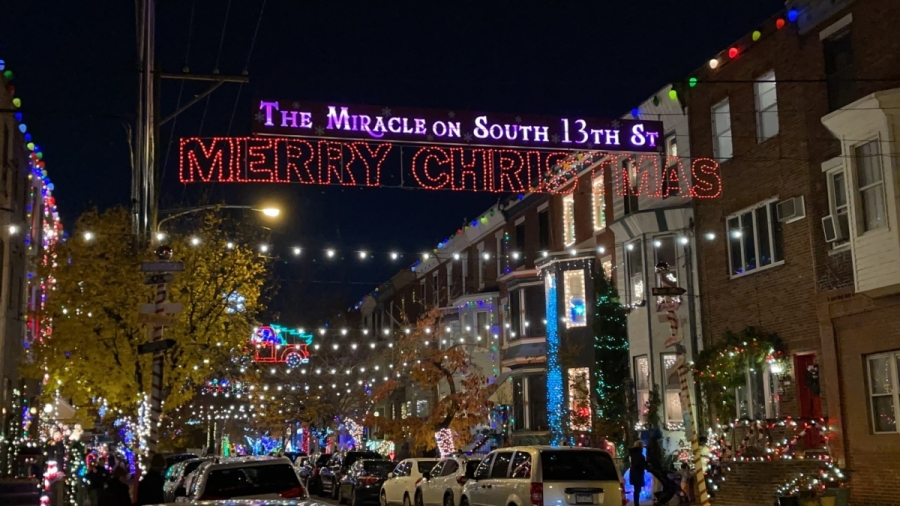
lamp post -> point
(271, 212)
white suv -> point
(443, 486)
(245, 478)
(545, 475)
(400, 487)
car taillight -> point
(370, 480)
(537, 494)
(624, 497)
(461, 480)
(292, 493)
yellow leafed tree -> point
(95, 305)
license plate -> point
(584, 499)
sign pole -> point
(686, 403)
(157, 371)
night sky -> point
(75, 73)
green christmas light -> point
(692, 82)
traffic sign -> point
(157, 319)
(667, 291)
(158, 279)
(154, 346)
(168, 308)
(162, 266)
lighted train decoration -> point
(275, 344)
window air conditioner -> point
(791, 210)
(836, 229)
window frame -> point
(575, 273)
(726, 134)
(568, 219)
(642, 416)
(597, 201)
(773, 108)
(893, 359)
(862, 228)
(671, 140)
(630, 292)
(666, 390)
(772, 215)
(833, 208)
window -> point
(754, 239)
(535, 307)
(449, 282)
(421, 408)
(484, 469)
(481, 324)
(450, 468)
(481, 265)
(642, 385)
(883, 390)
(497, 259)
(520, 245)
(530, 402)
(721, 131)
(757, 399)
(671, 148)
(501, 465)
(666, 250)
(576, 306)
(568, 219)
(516, 314)
(634, 267)
(436, 288)
(424, 293)
(521, 465)
(870, 179)
(563, 465)
(579, 398)
(840, 72)
(766, 107)
(598, 194)
(672, 386)
(544, 229)
(837, 200)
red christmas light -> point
(733, 52)
(779, 23)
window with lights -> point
(597, 194)
(634, 268)
(579, 398)
(568, 219)
(642, 386)
(672, 384)
(576, 304)
(884, 388)
(755, 239)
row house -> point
(651, 227)
(804, 241)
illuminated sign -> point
(465, 128)
(433, 167)
(275, 344)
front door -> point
(806, 370)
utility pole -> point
(145, 177)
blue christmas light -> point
(793, 15)
(635, 112)
(555, 405)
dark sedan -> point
(363, 481)
(338, 466)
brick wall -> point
(755, 483)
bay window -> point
(642, 385)
(870, 178)
(598, 194)
(576, 305)
(672, 390)
(634, 269)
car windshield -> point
(378, 467)
(471, 466)
(577, 466)
(352, 457)
(426, 465)
(250, 480)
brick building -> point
(803, 241)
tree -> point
(94, 306)
(419, 360)
(611, 358)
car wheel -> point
(463, 502)
(448, 499)
(334, 490)
(419, 501)
(383, 499)
(406, 500)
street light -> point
(271, 212)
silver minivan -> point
(545, 476)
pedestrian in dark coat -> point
(637, 468)
(116, 492)
(150, 489)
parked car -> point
(362, 483)
(309, 473)
(174, 485)
(337, 467)
(175, 458)
(443, 485)
(538, 475)
(400, 487)
(245, 478)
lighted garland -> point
(721, 368)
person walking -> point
(97, 478)
(638, 464)
(150, 488)
(116, 491)
(667, 487)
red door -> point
(810, 402)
